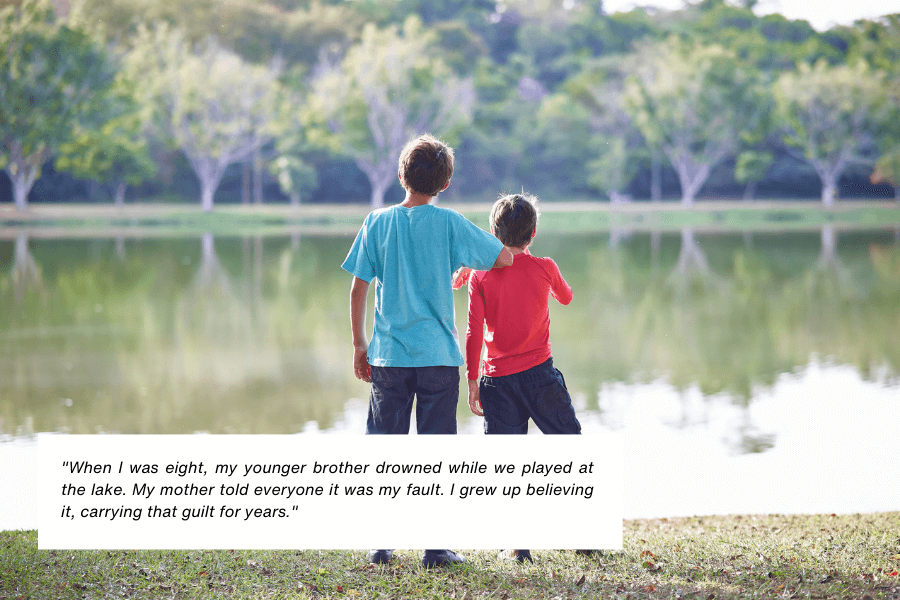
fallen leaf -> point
(893, 574)
(648, 553)
(339, 589)
(650, 588)
(204, 573)
(352, 593)
(580, 581)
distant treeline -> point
(312, 100)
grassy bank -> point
(66, 220)
(847, 556)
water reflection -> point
(249, 335)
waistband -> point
(533, 374)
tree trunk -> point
(750, 191)
(829, 191)
(22, 183)
(257, 177)
(120, 194)
(655, 178)
(378, 190)
(692, 175)
(245, 183)
(209, 171)
(207, 191)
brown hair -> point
(426, 165)
(514, 218)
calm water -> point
(748, 371)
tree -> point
(53, 79)
(116, 153)
(387, 89)
(209, 103)
(619, 145)
(830, 115)
(692, 102)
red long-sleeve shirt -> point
(512, 302)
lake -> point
(751, 372)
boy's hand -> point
(475, 398)
(361, 367)
(461, 277)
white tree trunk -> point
(207, 191)
(22, 183)
(829, 173)
(120, 194)
(379, 188)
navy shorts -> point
(538, 393)
(436, 390)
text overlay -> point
(315, 491)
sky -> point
(821, 14)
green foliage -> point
(391, 86)
(116, 152)
(206, 100)
(618, 146)
(693, 102)
(53, 78)
(752, 165)
(832, 115)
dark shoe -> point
(523, 555)
(440, 558)
(380, 557)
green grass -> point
(173, 219)
(822, 556)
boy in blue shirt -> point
(411, 250)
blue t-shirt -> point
(412, 254)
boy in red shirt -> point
(519, 381)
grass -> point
(819, 556)
(181, 219)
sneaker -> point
(440, 558)
(380, 557)
(520, 555)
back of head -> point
(426, 165)
(514, 218)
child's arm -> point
(358, 292)
(559, 289)
(461, 277)
(474, 342)
(504, 259)
(475, 398)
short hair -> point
(514, 218)
(426, 165)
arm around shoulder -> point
(504, 259)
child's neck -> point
(413, 199)
(522, 250)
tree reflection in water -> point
(251, 335)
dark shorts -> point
(538, 393)
(436, 390)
